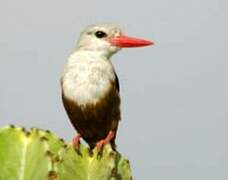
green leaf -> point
(23, 155)
(54, 142)
(84, 165)
(41, 155)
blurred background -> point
(174, 94)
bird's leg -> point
(76, 141)
(105, 141)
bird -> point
(90, 86)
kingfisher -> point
(90, 86)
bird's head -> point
(107, 39)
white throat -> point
(87, 77)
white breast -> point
(87, 77)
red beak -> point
(127, 42)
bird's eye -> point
(100, 34)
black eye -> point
(100, 34)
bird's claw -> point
(105, 141)
(76, 141)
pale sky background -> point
(174, 95)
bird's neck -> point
(89, 56)
(99, 53)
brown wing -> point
(117, 82)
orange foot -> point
(105, 141)
(76, 141)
